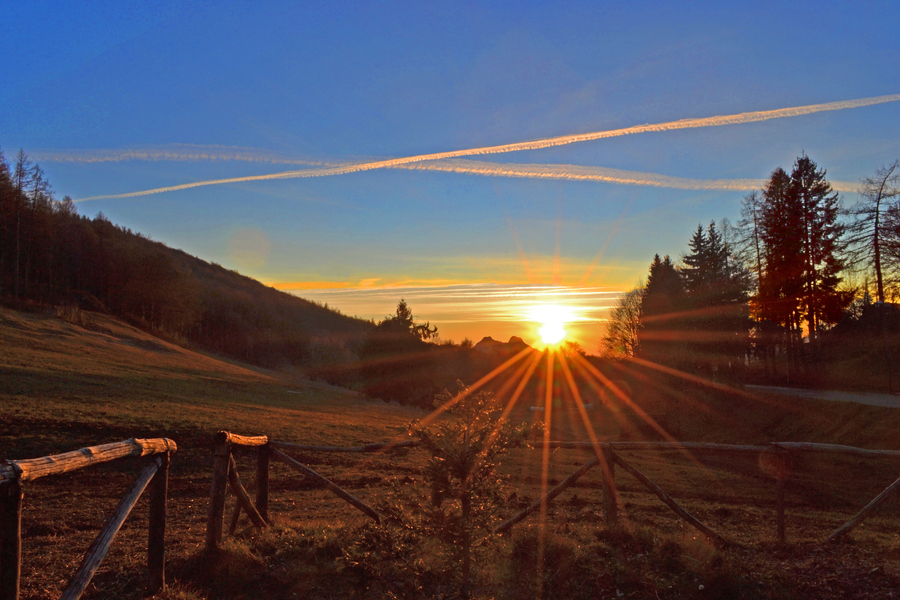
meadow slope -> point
(71, 384)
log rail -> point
(606, 456)
(13, 473)
(224, 476)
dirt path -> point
(872, 399)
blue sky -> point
(119, 97)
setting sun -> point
(552, 318)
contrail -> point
(468, 167)
(186, 152)
(174, 152)
(598, 174)
(747, 117)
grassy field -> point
(71, 384)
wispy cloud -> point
(472, 303)
(717, 121)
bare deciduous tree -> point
(624, 323)
(875, 234)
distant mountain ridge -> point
(489, 345)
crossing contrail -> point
(747, 117)
(598, 174)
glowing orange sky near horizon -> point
(475, 311)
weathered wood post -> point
(10, 539)
(782, 466)
(609, 487)
(156, 543)
(218, 487)
(98, 549)
(262, 481)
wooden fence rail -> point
(606, 456)
(155, 475)
(225, 475)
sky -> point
(359, 153)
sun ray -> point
(579, 403)
(528, 369)
(522, 256)
(558, 231)
(592, 370)
(589, 428)
(609, 238)
(712, 384)
(473, 388)
(545, 469)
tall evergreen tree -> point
(802, 247)
(823, 247)
(717, 290)
(661, 305)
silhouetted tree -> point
(397, 363)
(662, 305)
(802, 248)
(716, 295)
(402, 321)
(21, 181)
(823, 247)
(872, 236)
(623, 326)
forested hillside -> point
(52, 256)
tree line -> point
(798, 291)
(52, 256)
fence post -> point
(214, 524)
(609, 487)
(262, 482)
(10, 540)
(782, 466)
(156, 543)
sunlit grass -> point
(95, 384)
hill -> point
(52, 256)
(67, 384)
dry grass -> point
(67, 385)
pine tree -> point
(716, 293)
(661, 305)
(802, 247)
(695, 263)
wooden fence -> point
(779, 454)
(13, 473)
(225, 476)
